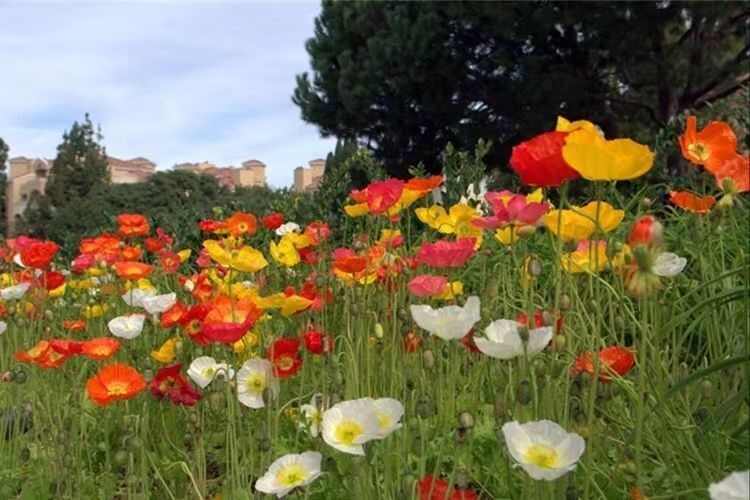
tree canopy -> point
(406, 79)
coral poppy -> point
(691, 202)
(132, 225)
(273, 221)
(284, 355)
(172, 316)
(444, 253)
(317, 342)
(539, 161)
(382, 195)
(598, 159)
(241, 223)
(130, 270)
(613, 361)
(426, 285)
(647, 230)
(228, 319)
(100, 348)
(115, 382)
(171, 384)
(711, 146)
(733, 175)
(38, 254)
(74, 325)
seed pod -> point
(120, 457)
(534, 267)
(20, 377)
(466, 420)
(523, 392)
(565, 302)
(428, 359)
(707, 388)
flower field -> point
(511, 345)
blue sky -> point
(171, 81)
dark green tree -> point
(406, 79)
(3, 183)
(79, 167)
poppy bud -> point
(134, 443)
(500, 411)
(20, 377)
(379, 330)
(428, 359)
(523, 392)
(565, 303)
(523, 332)
(707, 388)
(646, 202)
(534, 267)
(558, 342)
(462, 479)
(120, 457)
(700, 415)
(466, 420)
(647, 230)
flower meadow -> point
(522, 344)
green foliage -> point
(406, 79)
(3, 182)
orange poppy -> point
(241, 223)
(131, 253)
(734, 174)
(74, 325)
(100, 348)
(692, 202)
(709, 147)
(130, 270)
(132, 225)
(115, 382)
(228, 320)
(42, 355)
(424, 184)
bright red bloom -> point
(284, 355)
(273, 221)
(115, 382)
(382, 195)
(412, 342)
(132, 225)
(692, 202)
(228, 320)
(309, 256)
(192, 323)
(427, 285)
(434, 488)
(154, 245)
(52, 280)
(647, 230)
(66, 347)
(613, 361)
(539, 161)
(210, 225)
(317, 342)
(38, 254)
(345, 260)
(100, 348)
(170, 383)
(317, 231)
(445, 253)
(539, 320)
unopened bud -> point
(534, 267)
(523, 332)
(707, 388)
(648, 231)
(523, 393)
(466, 420)
(646, 202)
(565, 302)
(428, 358)
(378, 330)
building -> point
(28, 176)
(250, 173)
(308, 178)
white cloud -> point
(171, 81)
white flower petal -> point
(157, 304)
(127, 327)
(669, 265)
(736, 486)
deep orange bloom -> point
(241, 223)
(284, 355)
(614, 360)
(736, 172)
(169, 261)
(711, 146)
(100, 348)
(129, 270)
(228, 320)
(132, 225)
(42, 355)
(539, 161)
(74, 325)
(131, 253)
(347, 261)
(172, 316)
(115, 382)
(104, 247)
(692, 202)
(424, 185)
(38, 254)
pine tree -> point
(79, 167)
(3, 183)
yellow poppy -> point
(357, 210)
(167, 352)
(598, 159)
(589, 257)
(245, 259)
(580, 223)
(285, 253)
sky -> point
(172, 81)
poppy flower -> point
(733, 175)
(170, 262)
(229, 319)
(598, 159)
(131, 253)
(289, 472)
(444, 253)
(317, 232)
(246, 258)
(115, 382)
(435, 488)
(284, 355)
(154, 245)
(317, 342)
(254, 379)
(449, 322)
(129, 270)
(510, 208)
(74, 325)
(709, 147)
(412, 342)
(100, 348)
(285, 252)
(211, 226)
(273, 221)
(468, 342)
(580, 223)
(172, 316)
(132, 225)
(66, 347)
(345, 260)
(52, 280)
(543, 449)
(691, 202)
(82, 262)
(241, 223)
(171, 384)
(36, 354)
(459, 220)
(426, 285)
(382, 195)
(539, 320)
(38, 254)
(423, 185)
(590, 256)
(539, 161)
(647, 230)
(613, 361)
(503, 340)
(192, 323)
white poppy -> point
(736, 486)
(669, 265)
(388, 412)
(253, 378)
(503, 339)
(289, 227)
(350, 424)
(134, 297)
(14, 292)
(17, 261)
(157, 304)
(313, 414)
(127, 327)
(204, 369)
(449, 322)
(543, 449)
(289, 472)
(3, 327)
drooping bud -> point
(466, 420)
(523, 393)
(428, 358)
(647, 230)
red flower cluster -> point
(434, 488)
(171, 384)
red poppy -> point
(169, 261)
(133, 225)
(613, 361)
(317, 342)
(273, 221)
(434, 488)
(115, 382)
(426, 285)
(210, 225)
(709, 147)
(309, 256)
(345, 260)
(317, 231)
(100, 348)
(132, 270)
(445, 253)
(38, 254)
(647, 230)
(382, 195)
(468, 342)
(539, 320)
(154, 245)
(131, 253)
(539, 161)
(241, 223)
(192, 323)
(284, 355)
(52, 280)
(228, 319)
(170, 383)
(66, 347)
(692, 202)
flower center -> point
(292, 475)
(699, 150)
(117, 388)
(256, 383)
(285, 363)
(542, 456)
(347, 431)
(384, 421)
